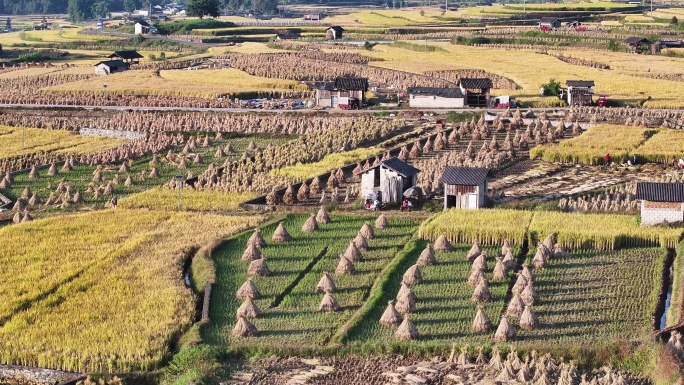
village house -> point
(660, 202)
(578, 92)
(343, 92)
(637, 44)
(312, 17)
(142, 27)
(288, 35)
(334, 33)
(476, 91)
(550, 22)
(128, 57)
(464, 187)
(110, 67)
(390, 178)
(433, 97)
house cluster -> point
(119, 61)
(469, 92)
(168, 9)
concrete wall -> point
(368, 181)
(426, 101)
(111, 133)
(651, 215)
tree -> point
(129, 5)
(100, 9)
(78, 10)
(265, 6)
(674, 20)
(552, 88)
(201, 8)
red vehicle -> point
(602, 101)
(545, 29)
(580, 28)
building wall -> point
(655, 213)
(426, 101)
(368, 181)
(464, 193)
(386, 173)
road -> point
(194, 109)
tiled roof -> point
(579, 83)
(397, 165)
(435, 91)
(128, 54)
(471, 83)
(660, 192)
(344, 84)
(112, 63)
(337, 28)
(636, 40)
(469, 176)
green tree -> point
(100, 9)
(129, 5)
(78, 10)
(674, 20)
(201, 8)
(265, 6)
(552, 88)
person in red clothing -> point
(607, 158)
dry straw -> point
(391, 317)
(258, 268)
(329, 304)
(482, 293)
(528, 319)
(481, 323)
(352, 253)
(248, 290)
(310, 225)
(323, 216)
(412, 276)
(381, 222)
(504, 332)
(427, 257)
(442, 244)
(407, 330)
(361, 242)
(515, 306)
(406, 305)
(326, 284)
(244, 328)
(257, 239)
(248, 309)
(281, 234)
(251, 253)
(405, 292)
(367, 231)
(344, 267)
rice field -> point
(530, 70)
(295, 322)
(163, 198)
(662, 147)
(201, 83)
(329, 163)
(490, 227)
(101, 291)
(592, 146)
(62, 142)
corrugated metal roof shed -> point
(468, 176)
(660, 192)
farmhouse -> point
(549, 22)
(288, 35)
(128, 57)
(464, 187)
(390, 178)
(579, 92)
(110, 67)
(476, 91)
(661, 202)
(142, 27)
(342, 93)
(312, 17)
(334, 33)
(433, 97)
(637, 44)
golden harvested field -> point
(394, 17)
(530, 70)
(63, 142)
(49, 36)
(162, 198)
(592, 146)
(662, 147)
(489, 227)
(202, 83)
(247, 47)
(28, 72)
(329, 163)
(629, 63)
(101, 291)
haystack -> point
(326, 284)
(251, 253)
(506, 248)
(5, 184)
(248, 290)
(506, 374)
(154, 173)
(128, 182)
(229, 149)
(528, 295)
(391, 317)
(528, 319)
(549, 242)
(310, 225)
(504, 332)
(515, 307)
(352, 253)
(34, 172)
(27, 217)
(480, 263)
(527, 273)
(495, 363)
(34, 200)
(258, 267)
(442, 244)
(52, 171)
(367, 231)
(97, 175)
(412, 276)
(66, 167)
(344, 267)
(257, 239)
(248, 309)
(407, 330)
(405, 292)
(361, 242)
(78, 198)
(303, 192)
(244, 328)
(323, 216)
(19, 205)
(18, 216)
(509, 260)
(406, 305)
(124, 168)
(281, 234)
(520, 284)
(329, 303)
(481, 323)
(109, 189)
(499, 271)
(381, 222)
(289, 197)
(427, 257)
(558, 251)
(474, 252)
(481, 293)
(475, 277)
(26, 194)
(539, 262)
